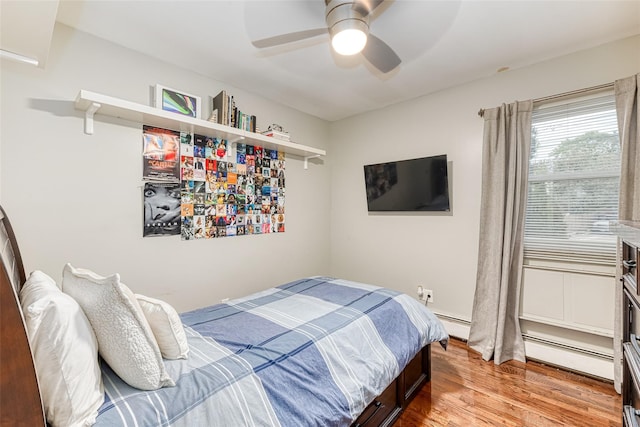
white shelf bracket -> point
(306, 160)
(88, 117)
(233, 141)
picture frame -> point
(177, 101)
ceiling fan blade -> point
(380, 55)
(365, 7)
(288, 38)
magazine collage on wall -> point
(193, 188)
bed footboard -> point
(386, 408)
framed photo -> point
(178, 102)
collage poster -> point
(221, 197)
(195, 189)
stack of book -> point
(225, 112)
(281, 135)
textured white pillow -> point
(125, 340)
(166, 326)
(65, 352)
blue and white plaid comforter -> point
(313, 352)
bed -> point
(318, 351)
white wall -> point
(440, 251)
(77, 198)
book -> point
(232, 113)
(221, 103)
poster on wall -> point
(160, 154)
(162, 209)
(223, 198)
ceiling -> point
(441, 43)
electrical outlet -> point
(428, 296)
(421, 295)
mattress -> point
(313, 352)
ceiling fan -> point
(348, 26)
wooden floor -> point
(467, 391)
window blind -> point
(574, 173)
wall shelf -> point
(94, 103)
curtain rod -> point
(565, 94)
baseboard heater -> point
(533, 338)
(586, 351)
(453, 319)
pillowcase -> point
(166, 326)
(65, 353)
(125, 340)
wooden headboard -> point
(20, 401)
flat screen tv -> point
(408, 185)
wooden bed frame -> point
(19, 392)
(20, 399)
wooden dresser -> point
(629, 233)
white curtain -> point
(495, 328)
(626, 91)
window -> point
(574, 173)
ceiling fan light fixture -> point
(349, 41)
(348, 27)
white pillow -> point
(125, 340)
(166, 326)
(65, 353)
